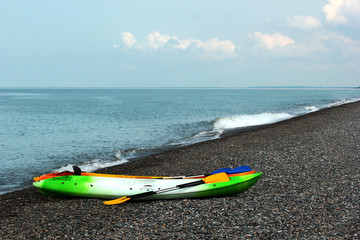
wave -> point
(95, 164)
(22, 95)
(241, 121)
(343, 101)
(215, 128)
(312, 108)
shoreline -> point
(309, 189)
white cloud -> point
(340, 11)
(213, 48)
(333, 11)
(128, 39)
(304, 22)
(156, 39)
(182, 44)
(271, 41)
(216, 48)
(322, 46)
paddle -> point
(239, 170)
(225, 170)
(219, 177)
(233, 171)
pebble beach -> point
(310, 189)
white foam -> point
(94, 164)
(199, 137)
(344, 101)
(239, 121)
(206, 135)
(311, 108)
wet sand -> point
(310, 189)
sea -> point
(49, 130)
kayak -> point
(106, 186)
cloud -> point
(333, 11)
(304, 22)
(128, 39)
(271, 41)
(340, 11)
(213, 48)
(182, 44)
(216, 48)
(156, 39)
(321, 46)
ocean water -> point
(44, 130)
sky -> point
(179, 43)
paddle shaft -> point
(219, 177)
(145, 194)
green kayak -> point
(110, 187)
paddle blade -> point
(221, 170)
(218, 177)
(77, 170)
(240, 170)
(117, 201)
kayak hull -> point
(115, 187)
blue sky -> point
(84, 43)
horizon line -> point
(288, 87)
